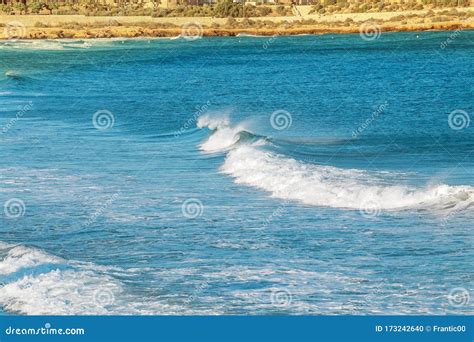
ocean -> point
(301, 175)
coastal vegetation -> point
(217, 8)
(222, 8)
(361, 6)
(227, 18)
(92, 27)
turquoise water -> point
(245, 175)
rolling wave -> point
(28, 277)
(34, 282)
(19, 77)
(250, 163)
(13, 75)
(70, 44)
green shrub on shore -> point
(228, 8)
(222, 9)
(361, 6)
(40, 25)
(282, 10)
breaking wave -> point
(34, 282)
(251, 163)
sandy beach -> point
(80, 26)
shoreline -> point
(368, 24)
(140, 32)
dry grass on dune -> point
(52, 27)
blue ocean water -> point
(241, 175)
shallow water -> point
(288, 175)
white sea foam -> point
(34, 282)
(19, 257)
(213, 122)
(56, 44)
(223, 137)
(318, 185)
(250, 35)
(32, 45)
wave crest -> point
(34, 282)
(223, 136)
(286, 178)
